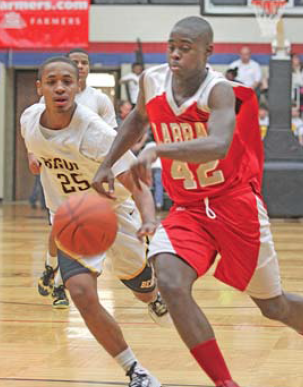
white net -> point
(268, 13)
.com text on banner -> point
(44, 24)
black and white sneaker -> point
(60, 299)
(46, 281)
(140, 377)
(159, 313)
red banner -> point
(44, 23)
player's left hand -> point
(146, 229)
(141, 169)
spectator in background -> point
(297, 81)
(158, 190)
(263, 120)
(249, 71)
(297, 71)
(297, 123)
(123, 110)
(131, 82)
(299, 135)
(231, 74)
(37, 194)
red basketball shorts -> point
(236, 226)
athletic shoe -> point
(46, 281)
(227, 383)
(60, 298)
(159, 313)
(140, 377)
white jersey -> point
(98, 102)
(70, 157)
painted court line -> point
(139, 323)
(92, 382)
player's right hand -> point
(104, 176)
(147, 228)
(141, 169)
(33, 164)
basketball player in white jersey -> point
(70, 142)
(88, 96)
(50, 282)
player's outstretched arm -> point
(144, 202)
(131, 130)
(221, 126)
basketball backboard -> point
(293, 8)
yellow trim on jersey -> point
(90, 268)
(75, 257)
(65, 250)
(129, 277)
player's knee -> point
(274, 310)
(84, 297)
(142, 283)
(171, 289)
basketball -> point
(85, 224)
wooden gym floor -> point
(42, 347)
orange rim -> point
(270, 7)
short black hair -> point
(55, 59)
(137, 64)
(78, 50)
(233, 71)
(199, 26)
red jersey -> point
(185, 182)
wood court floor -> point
(42, 347)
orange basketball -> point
(85, 224)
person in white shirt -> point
(50, 281)
(297, 80)
(297, 71)
(88, 96)
(131, 81)
(70, 142)
(249, 71)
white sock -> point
(58, 279)
(50, 260)
(155, 298)
(126, 359)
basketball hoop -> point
(268, 13)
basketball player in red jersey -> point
(208, 139)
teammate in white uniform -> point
(70, 142)
(88, 96)
(50, 281)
